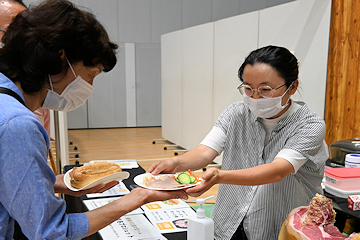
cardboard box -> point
(354, 202)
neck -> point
(33, 100)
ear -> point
(62, 55)
(294, 87)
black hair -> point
(280, 58)
(34, 40)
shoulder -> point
(237, 108)
(305, 117)
(19, 120)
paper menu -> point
(169, 204)
(124, 164)
(131, 227)
(172, 220)
(117, 190)
(92, 204)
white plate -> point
(139, 180)
(112, 177)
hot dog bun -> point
(85, 175)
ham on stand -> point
(313, 222)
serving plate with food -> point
(89, 176)
(168, 181)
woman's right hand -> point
(148, 195)
(163, 166)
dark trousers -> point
(18, 235)
(239, 234)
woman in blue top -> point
(50, 57)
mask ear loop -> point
(52, 89)
(287, 102)
(70, 66)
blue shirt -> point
(26, 181)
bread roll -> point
(85, 175)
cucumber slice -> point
(192, 179)
(184, 178)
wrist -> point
(142, 195)
(177, 163)
(221, 177)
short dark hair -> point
(280, 58)
(33, 42)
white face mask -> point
(74, 95)
(266, 107)
(1, 44)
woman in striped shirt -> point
(273, 148)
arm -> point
(194, 159)
(101, 217)
(262, 174)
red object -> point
(354, 202)
(343, 178)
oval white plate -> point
(139, 180)
(112, 177)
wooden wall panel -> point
(342, 107)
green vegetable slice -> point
(184, 178)
(192, 179)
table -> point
(76, 205)
(343, 212)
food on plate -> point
(313, 222)
(187, 177)
(85, 175)
(161, 182)
(169, 181)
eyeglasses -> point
(264, 91)
(2, 31)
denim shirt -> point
(26, 181)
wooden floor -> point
(124, 143)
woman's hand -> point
(210, 178)
(60, 187)
(149, 195)
(163, 166)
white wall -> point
(212, 54)
(141, 23)
(303, 27)
(197, 83)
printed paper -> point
(131, 227)
(124, 164)
(169, 204)
(173, 220)
(117, 190)
(92, 204)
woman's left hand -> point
(210, 178)
(60, 187)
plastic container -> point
(340, 193)
(343, 178)
(352, 160)
(200, 227)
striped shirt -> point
(264, 208)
